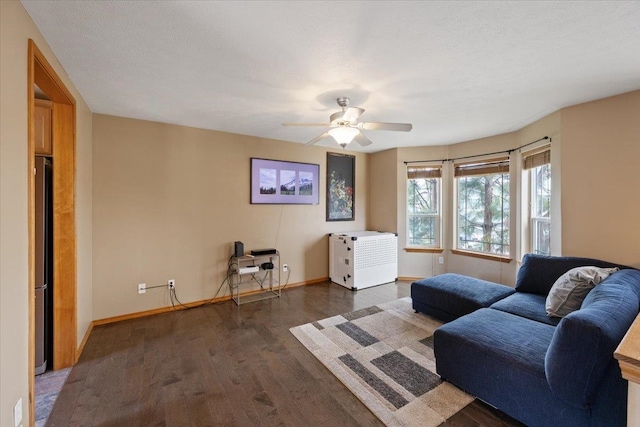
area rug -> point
(384, 355)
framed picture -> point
(341, 187)
(280, 182)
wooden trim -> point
(489, 257)
(161, 310)
(425, 250)
(630, 370)
(47, 79)
(84, 342)
(64, 238)
(628, 353)
(41, 73)
(408, 279)
(308, 282)
(154, 311)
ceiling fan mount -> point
(343, 101)
(344, 125)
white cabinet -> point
(42, 127)
(362, 259)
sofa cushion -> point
(568, 292)
(584, 341)
(499, 335)
(538, 273)
(530, 306)
(449, 296)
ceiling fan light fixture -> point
(344, 135)
(344, 126)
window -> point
(539, 167)
(423, 206)
(483, 206)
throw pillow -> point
(568, 292)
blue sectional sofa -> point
(544, 371)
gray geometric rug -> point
(384, 355)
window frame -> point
(438, 216)
(532, 161)
(484, 168)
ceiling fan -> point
(345, 126)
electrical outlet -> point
(17, 413)
(142, 288)
(285, 267)
(171, 284)
(441, 260)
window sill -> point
(490, 257)
(425, 250)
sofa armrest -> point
(584, 341)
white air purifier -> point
(362, 259)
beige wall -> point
(84, 216)
(16, 27)
(382, 202)
(169, 202)
(600, 193)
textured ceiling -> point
(456, 70)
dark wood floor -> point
(225, 365)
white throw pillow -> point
(568, 292)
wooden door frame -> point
(63, 132)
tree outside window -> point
(483, 213)
(483, 206)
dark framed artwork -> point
(279, 182)
(341, 187)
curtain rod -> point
(479, 155)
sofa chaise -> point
(503, 348)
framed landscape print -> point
(280, 182)
(341, 187)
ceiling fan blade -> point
(350, 114)
(306, 124)
(404, 127)
(362, 140)
(316, 139)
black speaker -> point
(239, 249)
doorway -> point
(63, 125)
